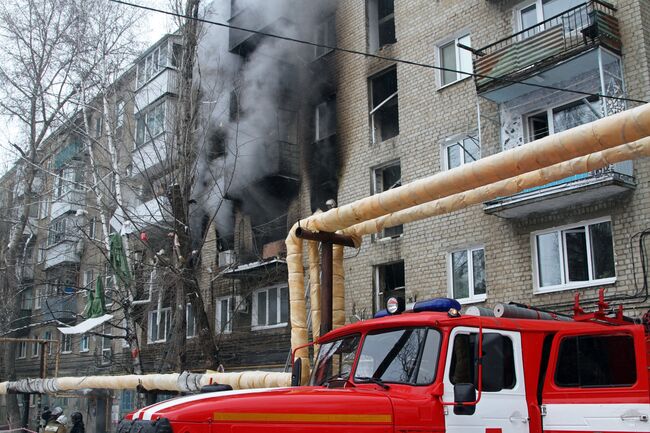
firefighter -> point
(57, 422)
(77, 423)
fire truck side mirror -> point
(464, 393)
(296, 371)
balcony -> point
(166, 82)
(261, 19)
(59, 308)
(22, 323)
(581, 189)
(62, 252)
(538, 48)
(71, 201)
(150, 157)
(155, 212)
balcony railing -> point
(557, 38)
(59, 308)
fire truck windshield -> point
(399, 356)
(335, 360)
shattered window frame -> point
(378, 179)
(384, 105)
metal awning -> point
(86, 325)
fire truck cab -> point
(439, 371)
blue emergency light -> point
(443, 305)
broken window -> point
(384, 178)
(381, 23)
(455, 60)
(384, 112)
(286, 126)
(325, 35)
(389, 283)
(325, 119)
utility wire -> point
(374, 56)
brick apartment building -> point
(320, 125)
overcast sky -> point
(157, 25)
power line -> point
(374, 56)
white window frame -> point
(66, 344)
(22, 350)
(377, 171)
(142, 76)
(539, 12)
(42, 248)
(194, 329)
(92, 227)
(84, 343)
(562, 252)
(119, 113)
(36, 347)
(147, 134)
(219, 312)
(256, 326)
(167, 311)
(460, 76)
(325, 106)
(472, 298)
(457, 140)
(107, 349)
(48, 336)
(374, 110)
(549, 111)
(44, 208)
(38, 293)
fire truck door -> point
(502, 405)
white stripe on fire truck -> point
(597, 417)
(149, 412)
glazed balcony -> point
(65, 251)
(59, 308)
(524, 54)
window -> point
(467, 275)
(150, 124)
(588, 361)
(26, 299)
(381, 24)
(41, 251)
(287, 128)
(84, 343)
(107, 342)
(119, 113)
(57, 231)
(335, 360)
(190, 321)
(325, 35)
(67, 180)
(325, 119)
(536, 11)
(459, 151)
(224, 319)
(455, 60)
(99, 122)
(22, 350)
(48, 338)
(498, 361)
(159, 325)
(400, 356)
(561, 118)
(388, 283)
(88, 282)
(270, 307)
(92, 227)
(44, 208)
(36, 347)
(66, 343)
(384, 178)
(573, 256)
(384, 110)
(152, 63)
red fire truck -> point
(434, 370)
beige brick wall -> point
(427, 115)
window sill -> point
(157, 342)
(66, 353)
(263, 327)
(445, 86)
(388, 238)
(84, 351)
(384, 141)
(472, 300)
(573, 286)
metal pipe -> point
(326, 287)
(515, 312)
(333, 238)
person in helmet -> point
(57, 422)
(77, 423)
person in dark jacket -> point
(77, 423)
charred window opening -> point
(288, 80)
(389, 282)
(235, 109)
(387, 177)
(216, 146)
(325, 35)
(325, 119)
(286, 126)
(381, 23)
(384, 111)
